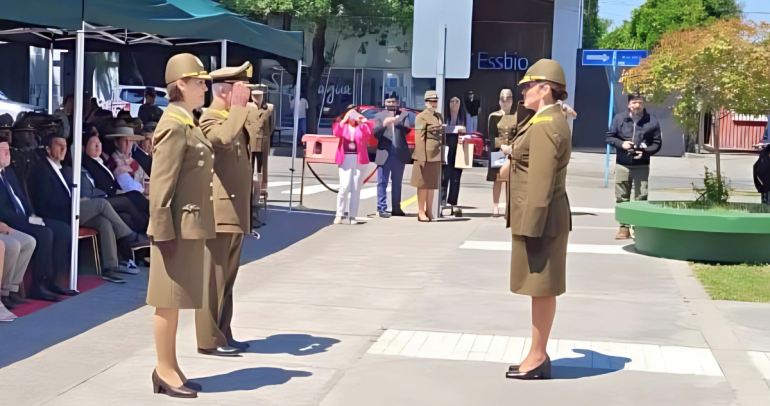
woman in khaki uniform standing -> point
(426, 170)
(538, 210)
(181, 217)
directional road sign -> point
(610, 57)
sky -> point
(619, 10)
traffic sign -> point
(612, 57)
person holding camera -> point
(635, 134)
(352, 158)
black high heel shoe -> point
(542, 371)
(160, 386)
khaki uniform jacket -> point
(537, 197)
(259, 126)
(181, 203)
(427, 143)
(232, 167)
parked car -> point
(14, 108)
(129, 98)
(370, 111)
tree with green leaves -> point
(594, 27)
(650, 21)
(718, 69)
(352, 16)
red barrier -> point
(320, 148)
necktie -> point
(11, 195)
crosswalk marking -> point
(564, 352)
(761, 360)
(311, 190)
(279, 184)
(571, 248)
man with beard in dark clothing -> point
(390, 128)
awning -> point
(172, 19)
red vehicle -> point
(370, 111)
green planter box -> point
(697, 235)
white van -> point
(129, 98)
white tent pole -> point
(50, 79)
(296, 128)
(77, 136)
(223, 55)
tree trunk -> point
(316, 71)
(286, 21)
(716, 152)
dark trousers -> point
(51, 258)
(450, 176)
(392, 171)
(134, 209)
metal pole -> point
(77, 136)
(612, 109)
(440, 90)
(223, 54)
(50, 79)
(296, 128)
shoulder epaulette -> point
(543, 119)
(182, 119)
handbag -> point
(464, 156)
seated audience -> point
(5, 314)
(128, 172)
(99, 182)
(51, 255)
(52, 197)
(18, 252)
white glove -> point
(506, 149)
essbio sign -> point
(506, 62)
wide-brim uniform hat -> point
(431, 95)
(6, 121)
(545, 70)
(185, 66)
(122, 130)
(233, 74)
(258, 89)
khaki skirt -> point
(426, 175)
(177, 274)
(538, 265)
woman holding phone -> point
(352, 158)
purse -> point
(464, 156)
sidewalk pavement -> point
(399, 312)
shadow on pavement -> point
(33, 333)
(248, 379)
(575, 368)
(294, 344)
(631, 248)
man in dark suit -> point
(132, 207)
(51, 257)
(51, 197)
(390, 128)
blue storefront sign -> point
(504, 62)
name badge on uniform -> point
(200, 163)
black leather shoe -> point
(194, 386)
(61, 291)
(243, 346)
(398, 213)
(159, 386)
(41, 293)
(7, 302)
(542, 371)
(17, 299)
(221, 352)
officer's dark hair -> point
(392, 95)
(558, 92)
(635, 95)
(173, 92)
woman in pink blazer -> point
(352, 158)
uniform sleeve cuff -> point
(161, 224)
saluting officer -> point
(181, 217)
(539, 146)
(426, 170)
(223, 124)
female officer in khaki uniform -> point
(538, 212)
(426, 170)
(181, 217)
